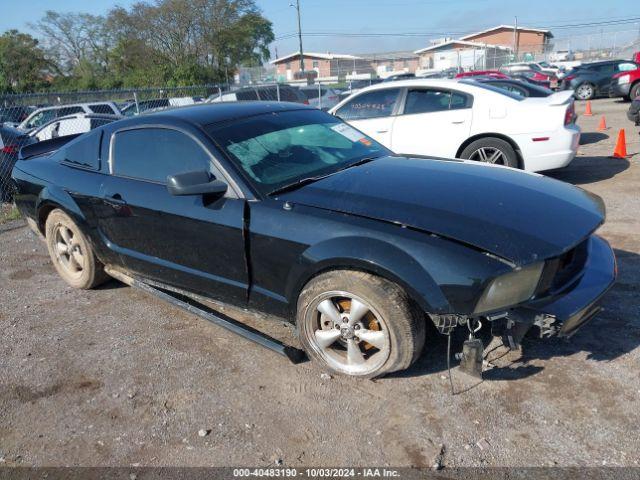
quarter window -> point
(374, 104)
(153, 154)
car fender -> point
(370, 255)
(52, 197)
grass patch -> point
(8, 213)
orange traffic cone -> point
(602, 126)
(587, 111)
(621, 146)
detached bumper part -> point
(569, 309)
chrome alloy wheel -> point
(489, 155)
(68, 252)
(584, 92)
(349, 335)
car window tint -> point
(606, 68)
(41, 118)
(378, 103)
(102, 108)
(460, 100)
(244, 95)
(270, 93)
(625, 67)
(83, 150)
(310, 93)
(427, 101)
(63, 112)
(155, 153)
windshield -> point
(275, 150)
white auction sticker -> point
(348, 132)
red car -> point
(482, 73)
(625, 85)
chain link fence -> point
(34, 117)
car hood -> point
(519, 216)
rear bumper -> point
(619, 90)
(556, 152)
(568, 310)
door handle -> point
(114, 200)
(457, 122)
(382, 131)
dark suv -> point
(593, 79)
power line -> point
(615, 22)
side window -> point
(606, 68)
(102, 108)
(152, 154)
(427, 101)
(41, 118)
(375, 104)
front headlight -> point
(624, 79)
(510, 289)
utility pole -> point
(297, 7)
(515, 39)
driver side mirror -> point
(195, 183)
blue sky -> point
(391, 16)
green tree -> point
(22, 63)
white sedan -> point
(466, 119)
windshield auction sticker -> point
(348, 132)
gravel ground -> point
(115, 377)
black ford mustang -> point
(288, 210)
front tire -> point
(635, 91)
(491, 150)
(71, 253)
(358, 324)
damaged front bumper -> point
(564, 312)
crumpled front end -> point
(571, 287)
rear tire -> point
(491, 150)
(585, 91)
(71, 253)
(358, 324)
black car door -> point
(179, 240)
(603, 77)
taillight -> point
(569, 115)
(10, 149)
(306, 102)
(568, 78)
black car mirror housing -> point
(195, 183)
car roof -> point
(602, 62)
(208, 113)
(446, 83)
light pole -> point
(297, 7)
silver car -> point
(321, 97)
